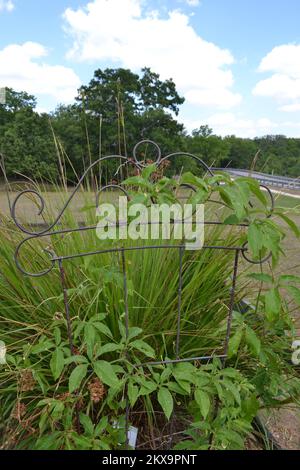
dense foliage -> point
(56, 398)
(111, 114)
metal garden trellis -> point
(61, 260)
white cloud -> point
(6, 5)
(193, 3)
(229, 124)
(284, 84)
(122, 33)
(221, 98)
(290, 108)
(22, 68)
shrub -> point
(56, 398)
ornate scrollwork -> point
(48, 230)
(28, 273)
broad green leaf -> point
(176, 388)
(231, 220)
(98, 316)
(235, 441)
(134, 331)
(77, 377)
(139, 198)
(234, 342)
(219, 178)
(250, 406)
(242, 189)
(184, 371)
(143, 347)
(260, 195)
(89, 334)
(165, 198)
(77, 359)
(87, 424)
(236, 198)
(272, 304)
(148, 170)
(199, 197)
(253, 341)
(203, 401)
(122, 329)
(232, 388)
(89, 339)
(257, 191)
(230, 372)
(165, 182)
(295, 292)
(224, 196)
(186, 386)
(202, 381)
(255, 240)
(165, 400)
(107, 348)
(103, 329)
(137, 181)
(261, 277)
(289, 278)
(81, 442)
(57, 336)
(293, 226)
(101, 426)
(133, 393)
(42, 346)
(147, 386)
(49, 442)
(57, 363)
(106, 373)
(165, 374)
(189, 178)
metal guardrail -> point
(269, 180)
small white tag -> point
(2, 353)
(131, 436)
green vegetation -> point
(54, 398)
(111, 114)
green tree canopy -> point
(113, 112)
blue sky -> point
(237, 62)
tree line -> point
(110, 115)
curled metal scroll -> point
(111, 186)
(42, 201)
(48, 231)
(28, 273)
(271, 199)
(146, 142)
(253, 261)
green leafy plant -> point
(56, 398)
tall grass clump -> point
(54, 397)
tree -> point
(241, 152)
(156, 94)
(210, 147)
(116, 110)
(27, 145)
(14, 102)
